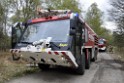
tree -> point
(24, 10)
(5, 4)
(63, 4)
(94, 19)
(4, 12)
(117, 14)
(1, 18)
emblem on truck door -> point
(63, 45)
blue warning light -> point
(76, 14)
(29, 21)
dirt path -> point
(109, 71)
(104, 70)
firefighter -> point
(111, 49)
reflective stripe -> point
(56, 53)
(63, 53)
(15, 51)
(67, 54)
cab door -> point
(17, 31)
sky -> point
(104, 6)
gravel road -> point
(104, 70)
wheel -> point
(79, 55)
(88, 61)
(43, 66)
(81, 68)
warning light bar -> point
(51, 15)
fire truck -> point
(102, 44)
(55, 37)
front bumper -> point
(61, 58)
(102, 49)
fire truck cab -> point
(102, 43)
(56, 37)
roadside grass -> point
(118, 53)
(10, 69)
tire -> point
(43, 66)
(87, 65)
(81, 68)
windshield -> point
(101, 42)
(58, 30)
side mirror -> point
(16, 24)
(72, 32)
(16, 33)
(19, 24)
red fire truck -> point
(102, 44)
(56, 37)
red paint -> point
(56, 53)
(92, 37)
(49, 53)
(104, 44)
(53, 18)
(63, 53)
(70, 61)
